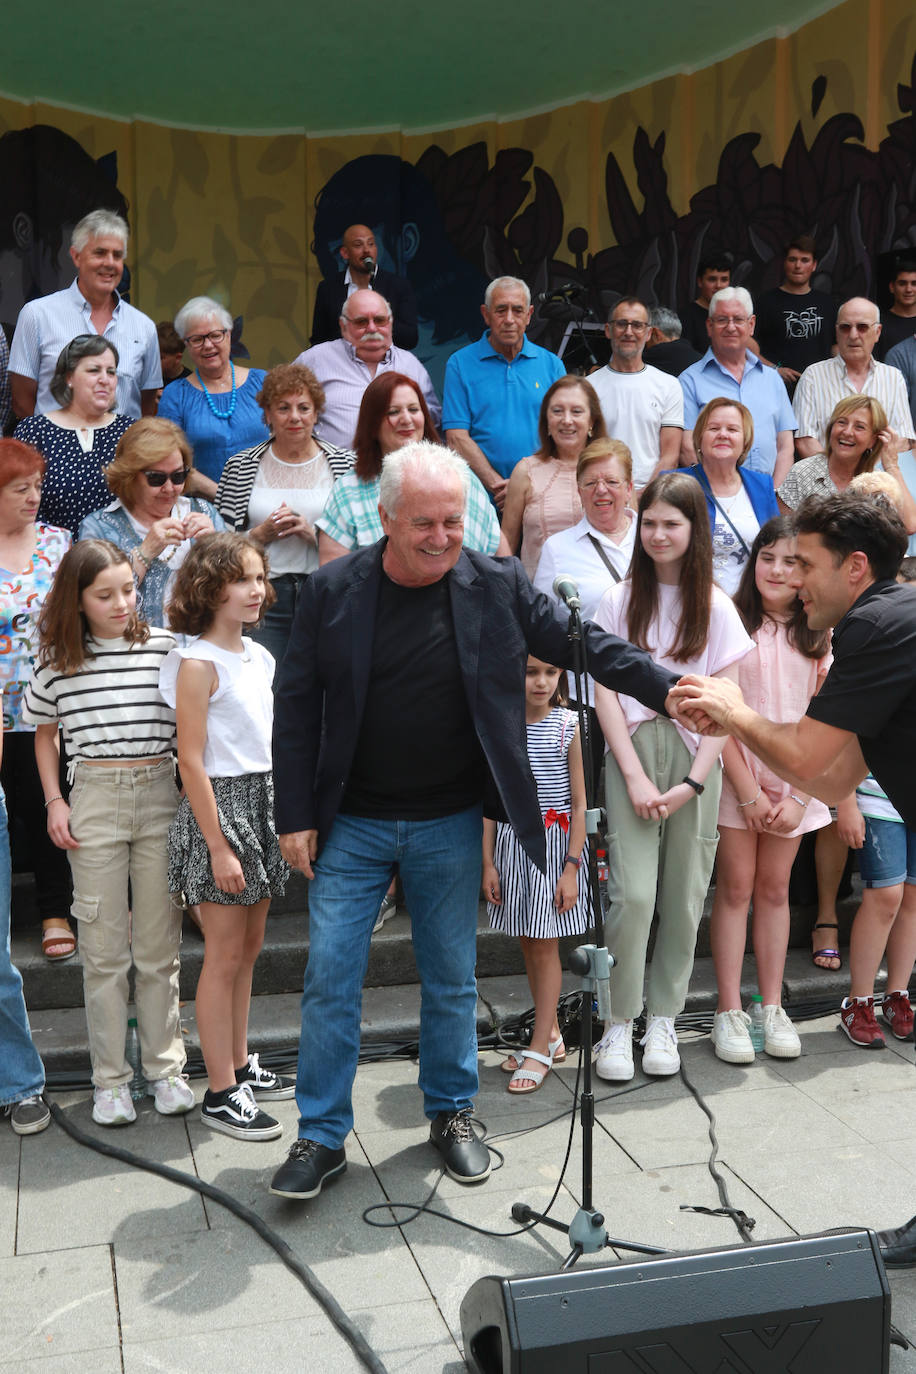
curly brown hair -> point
(289, 379)
(213, 562)
(62, 625)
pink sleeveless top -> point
(554, 505)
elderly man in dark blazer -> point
(362, 273)
(402, 686)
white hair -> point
(506, 284)
(96, 225)
(666, 321)
(425, 461)
(343, 308)
(738, 294)
(201, 309)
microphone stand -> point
(593, 964)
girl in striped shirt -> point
(521, 900)
(97, 681)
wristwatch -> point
(698, 787)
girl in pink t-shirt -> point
(762, 818)
(662, 781)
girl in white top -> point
(97, 680)
(223, 851)
(662, 781)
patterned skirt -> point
(245, 806)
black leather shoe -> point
(898, 1247)
(307, 1169)
(466, 1157)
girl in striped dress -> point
(97, 681)
(521, 900)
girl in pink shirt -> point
(762, 818)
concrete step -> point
(281, 965)
(392, 1013)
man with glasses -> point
(731, 368)
(90, 305)
(853, 372)
(347, 365)
(641, 405)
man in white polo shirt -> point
(90, 305)
(641, 405)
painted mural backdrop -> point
(815, 132)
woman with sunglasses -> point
(77, 441)
(150, 518)
(217, 405)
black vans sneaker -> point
(264, 1082)
(235, 1112)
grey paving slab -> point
(64, 1309)
(646, 1209)
(10, 1146)
(353, 1259)
(69, 1195)
(818, 1185)
(416, 1342)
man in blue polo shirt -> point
(494, 388)
(730, 368)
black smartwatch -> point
(698, 787)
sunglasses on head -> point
(159, 479)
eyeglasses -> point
(593, 483)
(215, 336)
(159, 479)
(723, 321)
(855, 327)
(637, 326)
(361, 321)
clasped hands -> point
(704, 705)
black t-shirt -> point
(871, 688)
(894, 329)
(795, 331)
(418, 755)
(693, 326)
(673, 356)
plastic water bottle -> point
(755, 1012)
(601, 857)
(137, 1084)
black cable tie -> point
(735, 1214)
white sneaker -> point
(112, 1106)
(731, 1036)
(659, 1046)
(173, 1095)
(614, 1053)
(780, 1038)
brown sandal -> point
(826, 953)
(58, 937)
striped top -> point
(822, 385)
(111, 708)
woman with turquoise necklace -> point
(216, 405)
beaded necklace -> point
(220, 414)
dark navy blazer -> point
(498, 618)
(398, 292)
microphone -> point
(568, 591)
(560, 293)
(368, 265)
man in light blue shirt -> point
(90, 305)
(494, 388)
(730, 368)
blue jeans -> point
(273, 631)
(439, 863)
(21, 1071)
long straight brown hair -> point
(749, 602)
(695, 585)
(62, 626)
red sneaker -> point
(898, 1014)
(857, 1019)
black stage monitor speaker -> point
(805, 1306)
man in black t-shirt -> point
(795, 324)
(402, 687)
(899, 322)
(714, 273)
(864, 717)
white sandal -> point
(532, 1078)
(513, 1061)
